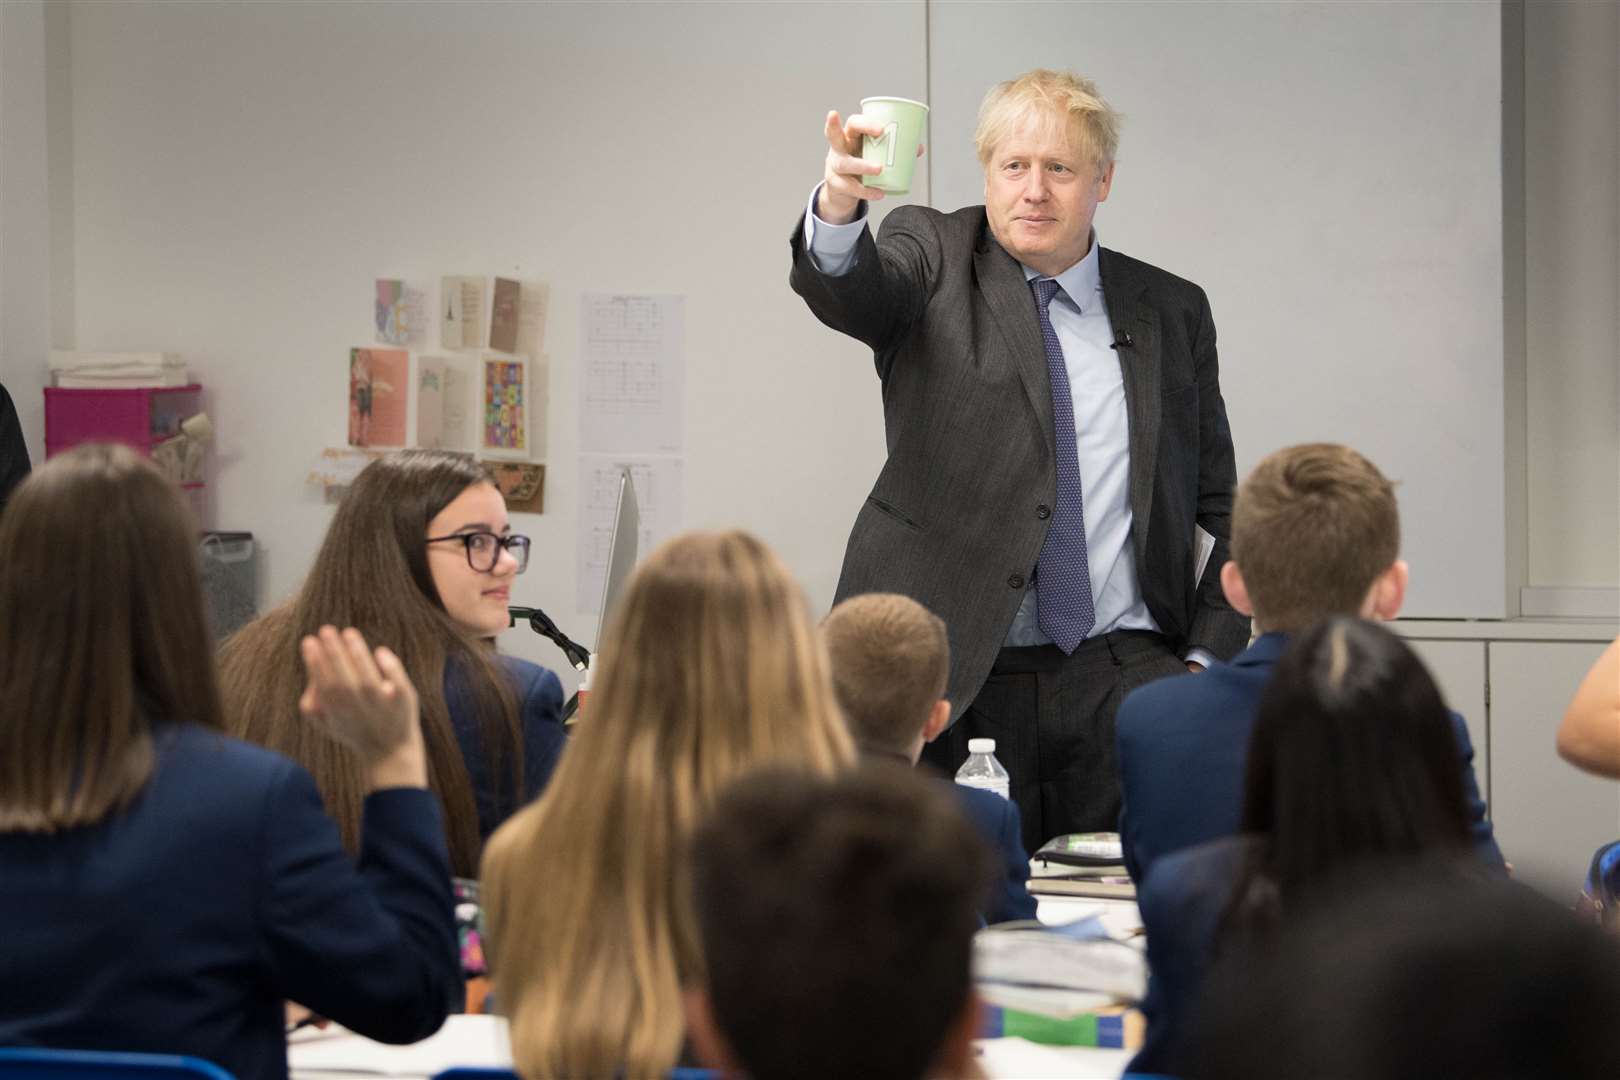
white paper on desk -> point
(480, 1041)
(1013, 1057)
(659, 498)
(633, 374)
(1203, 548)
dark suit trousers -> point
(1052, 717)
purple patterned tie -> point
(1063, 577)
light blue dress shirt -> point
(1102, 432)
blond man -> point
(1315, 532)
(889, 657)
(1057, 441)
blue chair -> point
(34, 1064)
(480, 1073)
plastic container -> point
(982, 770)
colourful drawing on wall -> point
(506, 405)
(377, 394)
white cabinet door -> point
(1549, 816)
(1458, 668)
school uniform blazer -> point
(1181, 903)
(1183, 747)
(180, 923)
(540, 702)
(997, 821)
(958, 515)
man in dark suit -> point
(889, 659)
(1058, 450)
(1315, 532)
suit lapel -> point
(1129, 313)
(1001, 282)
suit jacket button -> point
(1043, 511)
(1016, 581)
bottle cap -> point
(981, 746)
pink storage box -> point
(142, 416)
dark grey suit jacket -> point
(959, 512)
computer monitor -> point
(622, 547)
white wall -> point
(226, 180)
(1331, 174)
(25, 236)
(243, 172)
(1572, 286)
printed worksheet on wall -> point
(632, 382)
(659, 497)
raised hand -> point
(363, 697)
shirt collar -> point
(1080, 282)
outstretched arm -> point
(1589, 737)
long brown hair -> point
(711, 667)
(102, 636)
(372, 573)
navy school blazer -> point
(180, 923)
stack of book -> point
(1081, 864)
(1068, 985)
(116, 370)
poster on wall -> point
(401, 313)
(461, 313)
(441, 403)
(506, 405)
(504, 315)
(523, 483)
(378, 392)
(632, 385)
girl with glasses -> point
(165, 887)
(420, 557)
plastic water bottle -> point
(982, 770)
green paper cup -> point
(896, 149)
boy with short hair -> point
(890, 659)
(1315, 532)
(836, 920)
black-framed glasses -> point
(484, 549)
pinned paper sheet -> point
(461, 313)
(533, 302)
(441, 403)
(337, 468)
(401, 313)
(523, 483)
(633, 384)
(659, 498)
(378, 392)
(503, 315)
(505, 404)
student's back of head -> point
(102, 631)
(709, 667)
(1352, 758)
(837, 921)
(890, 660)
(1315, 532)
(1417, 971)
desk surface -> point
(336, 1054)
